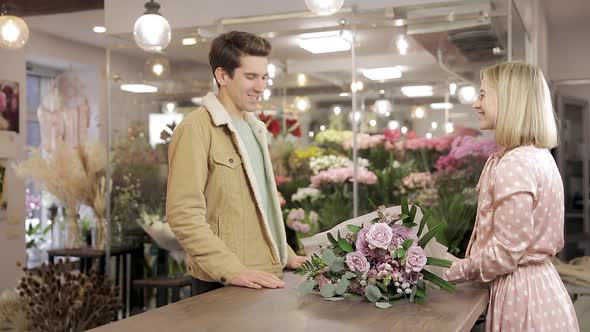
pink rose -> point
(3, 102)
(413, 277)
(415, 259)
(356, 261)
(379, 236)
(361, 243)
(323, 281)
(400, 234)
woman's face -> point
(486, 106)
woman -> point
(519, 224)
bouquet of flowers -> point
(383, 261)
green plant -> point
(36, 235)
(459, 214)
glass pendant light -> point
(14, 32)
(324, 7)
(152, 31)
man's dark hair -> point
(228, 47)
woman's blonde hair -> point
(525, 114)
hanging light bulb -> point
(158, 66)
(302, 104)
(266, 94)
(402, 45)
(14, 32)
(324, 7)
(383, 107)
(152, 31)
(419, 112)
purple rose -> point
(413, 277)
(361, 243)
(379, 236)
(400, 234)
(415, 259)
(356, 261)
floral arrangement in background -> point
(73, 175)
(137, 167)
(383, 262)
(364, 141)
(321, 163)
(341, 175)
(155, 225)
(308, 194)
(303, 222)
(421, 189)
(333, 136)
(274, 126)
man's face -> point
(245, 88)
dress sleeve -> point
(514, 197)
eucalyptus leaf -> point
(307, 286)
(342, 286)
(337, 266)
(372, 293)
(383, 305)
(328, 256)
(333, 299)
(328, 291)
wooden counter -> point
(286, 310)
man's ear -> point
(221, 76)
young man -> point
(222, 201)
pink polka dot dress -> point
(519, 226)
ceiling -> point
(427, 31)
(44, 7)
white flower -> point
(303, 193)
(318, 164)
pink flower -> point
(385, 269)
(3, 101)
(323, 281)
(364, 141)
(282, 200)
(391, 136)
(342, 174)
(361, 243)
(401, 234)
(282, 179)
(413, 277)
(356, 261)
(296, 215)
(379, 236)
(415, 259)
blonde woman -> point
(519, 222)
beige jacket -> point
(213, 205)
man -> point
(222, 201)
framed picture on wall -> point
(9, 106)
(3, 190)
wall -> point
(12, 237)
(568, 57)
(535, 22)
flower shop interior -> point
(380, 89)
